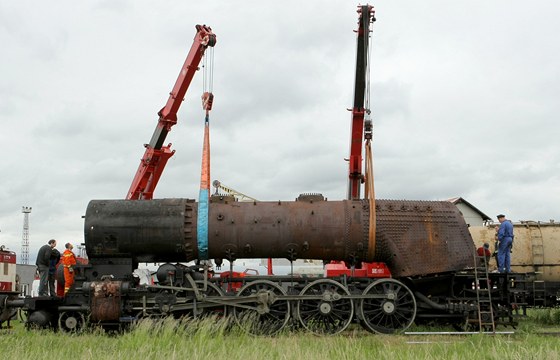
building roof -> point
(460, 200)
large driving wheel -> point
(326, 311)
(209, 309)
(392, 310)
(264, 314)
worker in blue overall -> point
(505, 239)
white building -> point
(472, 216)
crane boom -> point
(156, 154)
(355, 177)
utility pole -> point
(25, 238)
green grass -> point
(209, 339)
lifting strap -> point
(204, 194)
(369, 195)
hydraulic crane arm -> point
(355, 178)
(156, 155)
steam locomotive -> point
(419, 267)
(388, 263)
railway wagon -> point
(535, 252)
(8, 284)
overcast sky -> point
(464, 95)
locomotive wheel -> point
(212, 290)
(269, 315)
(71, 321)
(391, 314)
(329, 314)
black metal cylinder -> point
(165, 230)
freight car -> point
(418, 269)
(535, 255)
(8, 284)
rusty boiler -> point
(412, 237)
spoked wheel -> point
(267, 315)
(212, 290)
(327, 312)
(393, 311)
(71, 321)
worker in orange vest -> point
(69, 261)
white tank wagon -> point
(536, 251)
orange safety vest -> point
(68, 260)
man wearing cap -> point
(505, 239)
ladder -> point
(537, 246)
(483, 290)
(539, 293)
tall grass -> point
(211, 339)
(548, 316)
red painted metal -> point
(156, 155)
(229, 277)
(8, 257)
(6, 286)
(355, 177)
(7, 270)
(370, 270)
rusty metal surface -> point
(413, 237)
(422, 237)
(332, 230)
(105, 300)
(165, 230)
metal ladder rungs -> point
(483, 294)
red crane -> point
(156, 155)
(361, 89)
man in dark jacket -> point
(43, 263)
(55, 258)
